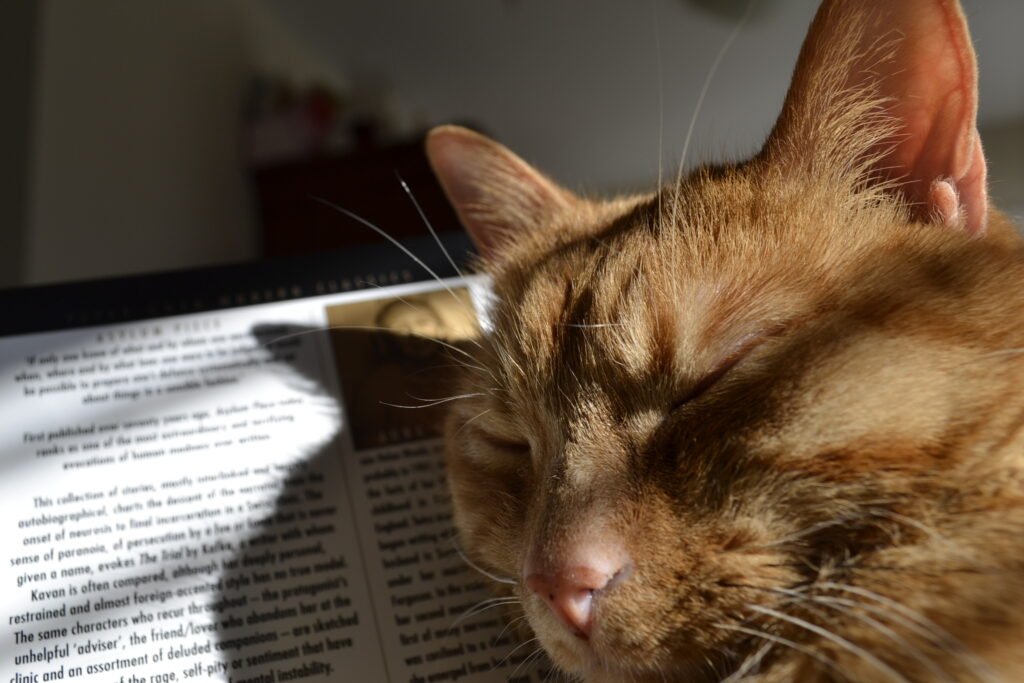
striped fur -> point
(797, 400)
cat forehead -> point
(688, 275)
(748, 217)
(643, 306)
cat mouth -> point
(603, 671)
(596, 661)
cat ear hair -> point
(915, 57)
(496, 194)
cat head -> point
(700, 406)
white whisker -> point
(757, 633)
(707, 84)
(838, 640)
(1002, 353)
(430, 402)
(895, 516)
(474, 565)
(405, 250)
(516, 649)
(480, 608)
(661, 106)
(807, 531)
(509, 625)
(375, 328)
(943, 636)
(415, 307)
(749, 663)
(848, 607)
(529, 658)
(466, 423)
(430, 227)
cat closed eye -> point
(504, 445)
(741, 350)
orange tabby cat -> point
(765, 424)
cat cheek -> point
(487, 494)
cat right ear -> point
(496, 194)
(913, 58)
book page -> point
(398, 352)
(185, 498)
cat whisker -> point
(707, 84)
(749, 664)
(431, 402)
(415, 307)
(405, 250)
(516, 649)
(661, 106)
(536, 654)
(511, 624)
(860, 566)
(803, 597)
(426, 222)
(786, 642)
(828, 635)
(1002, 353)
(730, 584)
(936, 630)
(886, 613)
(848, 607)
(897, 517)
(928, 530)
(474, 565)
(467, 422)
(807, 531)
(376, 328)
(443, 366)
(979, 666)
(480, 608)
(563, 675)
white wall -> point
(573, 85)
(136, 160)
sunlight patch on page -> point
(185, 497)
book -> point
(200, 481)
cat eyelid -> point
(502, 443)
(740, 350)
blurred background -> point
(143, 136)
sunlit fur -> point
(799, 408)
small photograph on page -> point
(396, 364)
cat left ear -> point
(496, 194)
(930, 89)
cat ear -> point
(916, 56)
(496, 194)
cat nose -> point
(570, 592)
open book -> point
(233, 492)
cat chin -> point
(577, 657)
(601, 672)
(592, 663)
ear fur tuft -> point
(496, 194)
(900, 78)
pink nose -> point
(570, 594)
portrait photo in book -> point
(394, 358)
